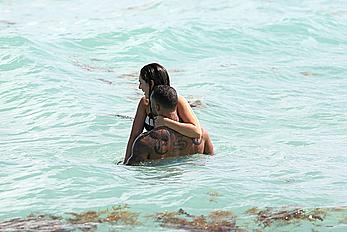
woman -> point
(152, 75)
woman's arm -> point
(190, 126)
(137, 127)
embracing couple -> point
(172, 127)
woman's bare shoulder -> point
(144, 105)
(182, 100)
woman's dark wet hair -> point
(156, 73)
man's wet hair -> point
(165, 96)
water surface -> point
(271, 76)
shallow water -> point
(271, 77)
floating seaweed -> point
(338, 209)
(220, 214)
(195, 103)
(123, 215)
(318, 213)
(105, 81)
(252, 211)
(215, 221)
(7, 22)
(343, 221)
(268, 216)
(42, 223)
(213, 195)
(123, 116)
(85, 217)
(308, 74)
(89, 68)
(218, 220)
(182, 212)
(85, 221)
(228, 65)
(117, 214)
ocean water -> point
(271, 77)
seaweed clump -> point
(216, 221)
(85, 221)
(213, 196)
(117, 214)
(343, 221)
(268, 216)
(38, 223)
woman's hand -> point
(160, 121)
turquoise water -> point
(271, 77)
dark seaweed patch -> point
(85, 221)
(42, 223)
(215, 221)
(117, 214)
(218, 220)
(213, 196)
(268, 216)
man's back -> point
(163, 142)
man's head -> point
(163, 99)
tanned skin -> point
(163, 142)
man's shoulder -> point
(160, 132)
(142, 139)
(163, 142)
(150, 137)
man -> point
(163, 142)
